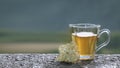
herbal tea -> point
(86, 42)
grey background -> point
(55, 15)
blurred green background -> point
(40, 26)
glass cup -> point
(85, 36)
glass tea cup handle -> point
(107, 31)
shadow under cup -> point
(85, 36)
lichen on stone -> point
(68, 53)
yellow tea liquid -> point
(85, 42)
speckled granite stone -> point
(36, 60)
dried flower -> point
(68, 53)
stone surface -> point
(48, 61)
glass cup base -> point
(86, 57)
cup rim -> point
(85, 25)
